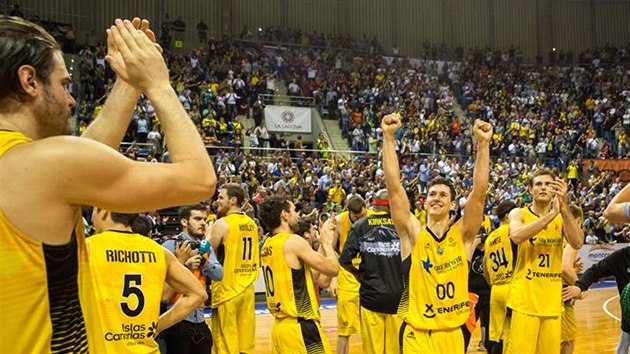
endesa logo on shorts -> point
(131, 332)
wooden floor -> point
(597, 331)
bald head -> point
(380, 200)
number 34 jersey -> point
(127, 273)
(498, 256)
(290, 292)
(436, 297)
(536, 287)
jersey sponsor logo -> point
(550, 275)
(449, 265)
(132, 332)
(531, 240)
(274, 308)
(122, 256)
(428, 311)
(496, 241)
(246, 268)
(383, 249)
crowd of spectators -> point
(552, 115)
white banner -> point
(288, 119)
(592, 254)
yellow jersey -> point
(239, 255)
(290, 292)
(127, 272)
(498, 256)
(346, 282)
(536, 287)
(41, 286)
(436, 297)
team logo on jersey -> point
(427, 265)
(428, 311)
(531, 240)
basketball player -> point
(535, 298)
(235, 240)
(288, 262)
(51, 176)
(435, 303)
(346, 287)
(498, 269)
(568, 321)
(127, 263)
(375, 240)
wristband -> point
(627, 211)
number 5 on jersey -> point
(131, 288)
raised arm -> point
(111, 124)
(618, 211)
(325, 261)
(473, 215)
(520, 232)
(571, 229)
(406, 223)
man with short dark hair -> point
(234, 237)
(121, 259)
(192, 335)
(289, 265)
(435, 302)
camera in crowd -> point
(202, 245)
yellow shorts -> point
(532, 334)
(293, 336)
(498, 302)
(234, 324)
(348, 321)
(379, 332)
(569, 324)
(414, 341)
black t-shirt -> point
(375, 240)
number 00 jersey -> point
(536, 287)
(437, 294)
(239, 256)
(127, 274)
(498, 253)
(290, 292)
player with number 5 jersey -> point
(435, 303)
(127, 272)
(289, 265)
(235, 240)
